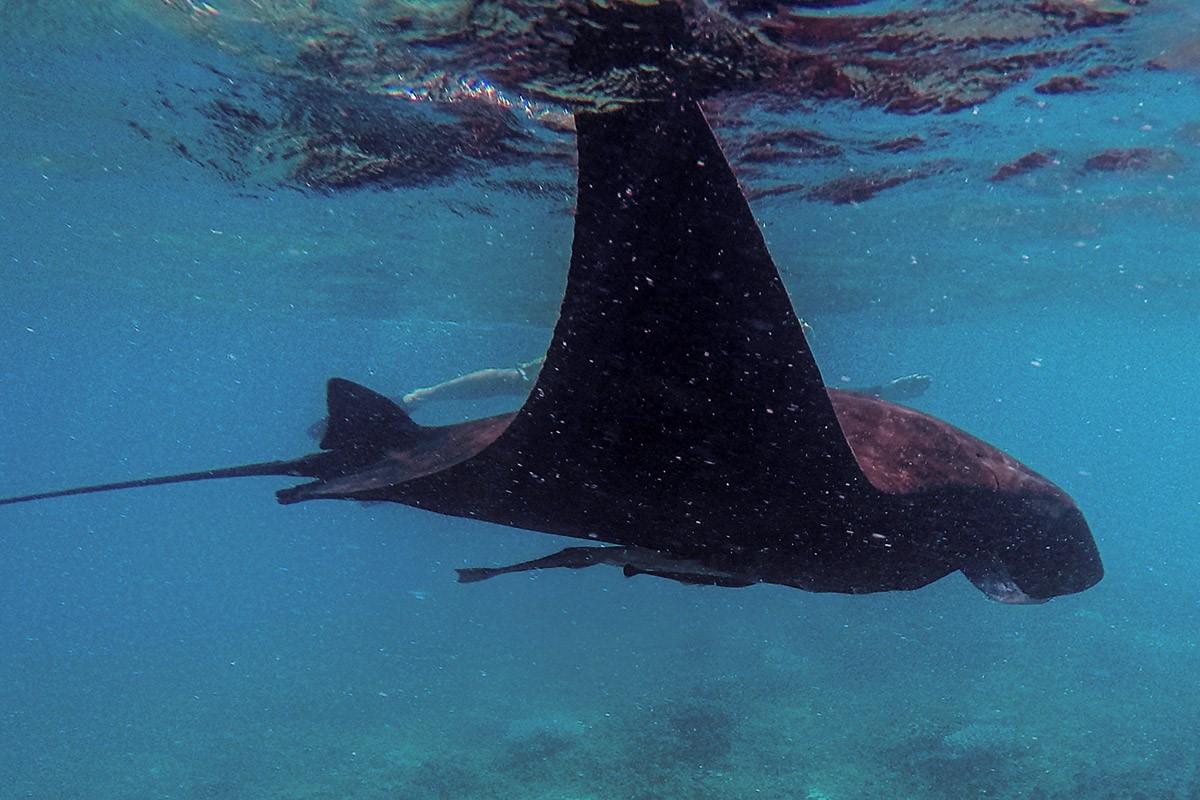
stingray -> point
(681, 427)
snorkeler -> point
(476, 385)
(897, 390)
(518, 380)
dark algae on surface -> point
(488, 67)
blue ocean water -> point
(199, 641)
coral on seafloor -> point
(982, 739)
(533, 739)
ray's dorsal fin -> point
(363, 418)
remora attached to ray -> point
(680, 417)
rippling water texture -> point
(207, 210)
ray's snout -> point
(1059, 557)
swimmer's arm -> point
(898, 389)
(482, 383)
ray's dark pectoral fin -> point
(677, 360)
(570, 558)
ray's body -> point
(681, 418)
